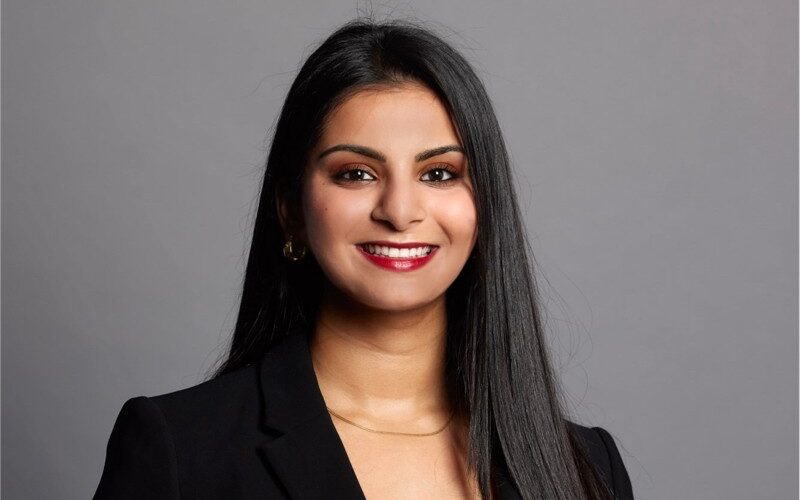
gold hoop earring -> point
(289, 253)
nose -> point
(400, 204)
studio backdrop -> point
(654, 147)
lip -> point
(398, 264)
(412, 244)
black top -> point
(261, 431)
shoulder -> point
(158, 439)
(203, 415)
(208, 412)
(222, 394)
(604, 455)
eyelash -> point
(450, 170)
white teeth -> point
(395, 253)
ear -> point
(290, 221)
(283, 211)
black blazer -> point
(263, 432)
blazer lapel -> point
(306, 453)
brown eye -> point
(440, 175)
(355, 175)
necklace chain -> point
(391, 432)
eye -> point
(354, 175)
(441, 174)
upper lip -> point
(413, 244)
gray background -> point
(655, 147)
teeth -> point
(395, 253)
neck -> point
(381, 366)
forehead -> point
(409, 115)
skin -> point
(379, 343)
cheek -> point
(330, 213)
(458, 217)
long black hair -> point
(498, 372)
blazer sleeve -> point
(140, 456)
(620, 481)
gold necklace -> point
(390, 432)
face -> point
(389, 168)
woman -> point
(388, 343)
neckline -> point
(305, 437)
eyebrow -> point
(376, 155)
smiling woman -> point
(389, 341)
(389, 173)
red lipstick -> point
(398, 263)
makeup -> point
(389, 257)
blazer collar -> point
(306, 452)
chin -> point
(381, 302)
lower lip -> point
(398, 264)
